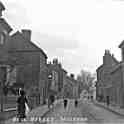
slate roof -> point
(17, 45)
(122, 44)
(2, 7)
(5, 25)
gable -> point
(19, 43)
(5, 25)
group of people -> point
(22, 104)
(65, 101)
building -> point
(117, 78)
(5, 63)
(31, 61)
(104, 82)
(110, 78)
(58, 77)
(71, 87)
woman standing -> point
(21, 105)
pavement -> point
(40, 111)
(112, 108)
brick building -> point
(58, 77)
(31, 69)
(110, 78)
(104, 82)
(117, 74)
(5, 64)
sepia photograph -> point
(61, 61)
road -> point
(85, 113)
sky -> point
(77, 32)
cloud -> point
(16, 14)
(52, 42)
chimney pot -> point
(27, 34)
(72, 76)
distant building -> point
(71, 87)
(58, 77)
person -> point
(51, 100)
(65, 103)
(49, 103)
(107, 100)
(21, 105)
(76, 102)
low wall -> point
(8, 114)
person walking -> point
(76, 102)
(65, 103)
(52, 100)
(107, 100)
(21, 108)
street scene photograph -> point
(61, 62)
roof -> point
(64, 70)
(2, 7)
(122, 44)
(28, 44)
(101, 66)
(116, 67)
(5, 25)
(116, 61)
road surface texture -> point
(85, 113)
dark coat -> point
(21, 106)
(52, 98)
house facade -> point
(5, 63)
(31, 61)
(71, 87)
(110, 78)
(58, 77)
(104, 82)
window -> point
(2, 38)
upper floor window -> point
(2, 38)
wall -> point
(116, 76)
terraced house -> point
(110, 78)
(32, 60)
(58, 77)
(22, 63)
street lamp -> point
(50, 76)
(49, 84)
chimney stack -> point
(27, 34)
(55, 61)
(72, 76)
